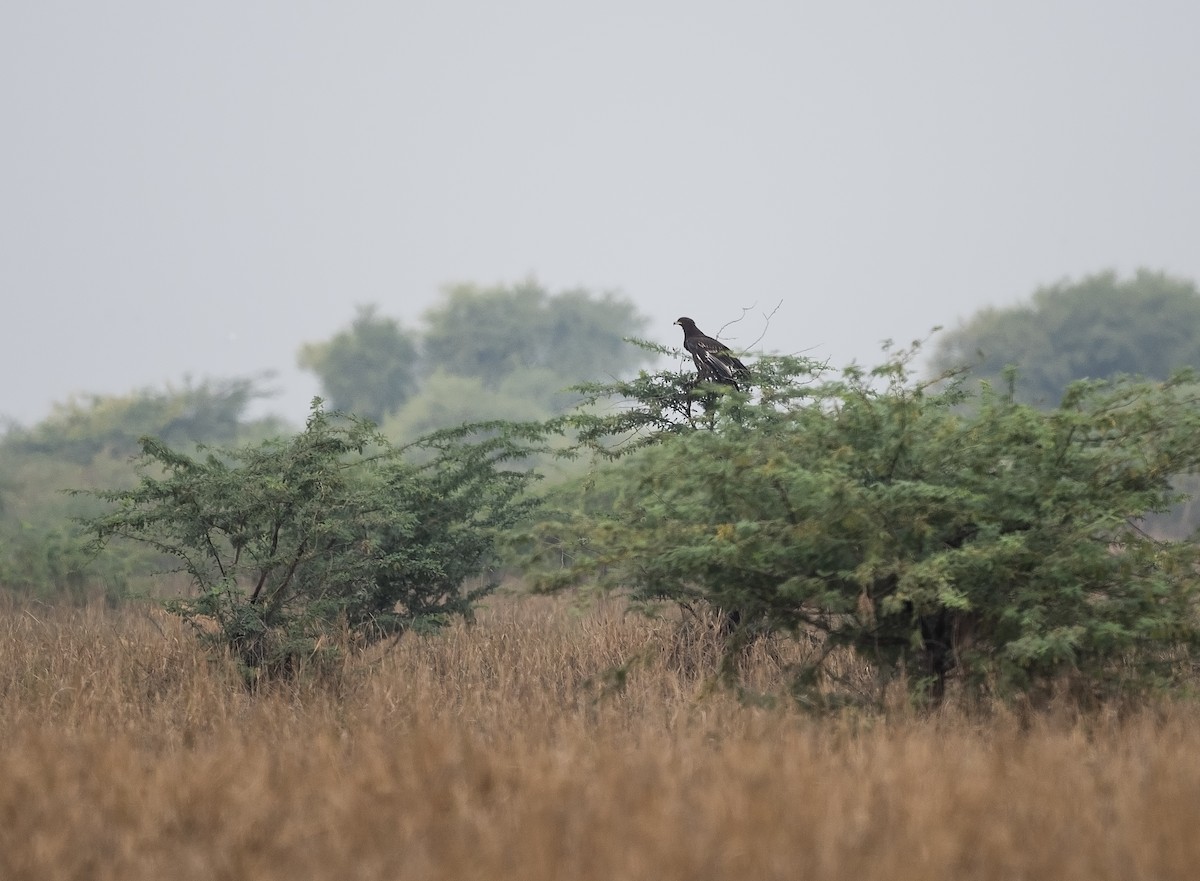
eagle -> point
(714, 361)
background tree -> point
(492, 333)
(447, 400)
(1096, 328)
(369, 369)
(86, 443)
(509, 352)
(212, 411)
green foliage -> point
(49, 561)
(295, 544)
(996, 543)
(86, 444)
(447, 400)
(1098, 328)
(492, 333)
(499, 352)
(94, 425)
(369, 369)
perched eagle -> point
(713, 359)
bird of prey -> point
(714, 361)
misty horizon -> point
(201, 191)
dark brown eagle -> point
(714, 361)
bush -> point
(297, 545)
(932, 534)
(49, 562)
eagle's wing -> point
(715, 361)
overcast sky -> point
(199, 188)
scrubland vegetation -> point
(906, 626)
(506, 750)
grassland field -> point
(505, 750)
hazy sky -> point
(199, 188)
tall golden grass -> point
(504, 750)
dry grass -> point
(497, 752)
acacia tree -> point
(997, 545)
(293, 541)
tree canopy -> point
(996, 545)
(493, 332)
(293, 543)
(370, 368)
(502, 340)
(1100, 327)
(88, 442)
(212, 411)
